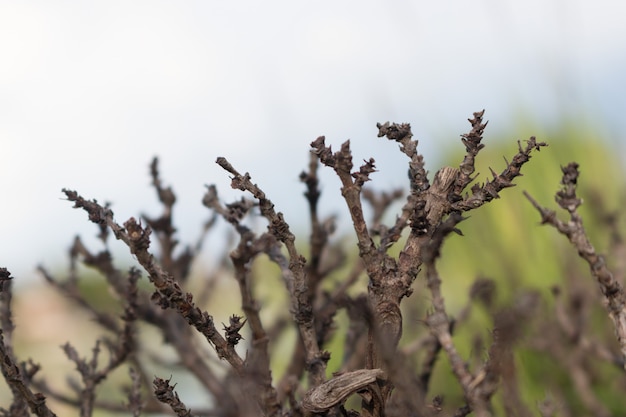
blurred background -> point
(91, 92)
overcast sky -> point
(91, 91)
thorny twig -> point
(171, 324)
(432, 210)
(611, 288)
(426, 208)
(166, 394)
(301, 303)
(168, 294)
(165, 231)
(24, 398)
(118, 352)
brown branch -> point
(380, 267)
(573, 348)
(500, 366)
(482, 194)
(402, 134)
(438, 320)
(432, 348)
(478, 387)
(70, 289)
(88, 372)
(118, 351)
(23, 398)
(337, 389)
(166, 394)
(341, 162)
(302, 309)
(168, 293)
(171, 324)
(431, 211)
(163, 226)
(425, 212)
(414, 209)
(319, 236)
(612, 290)
(242, 256)
(103, 263)
(165, 230)
(135, 404)
(258, 361)
(320, 231)
(472, 144)
(6, 298)
(570, 323)
(153, 406)
(380, 203)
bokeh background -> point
(91, 92)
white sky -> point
(91, 91)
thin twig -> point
(169, 293)
(611, 288)
(301, 305)
(166, 394)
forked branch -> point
(611, 288)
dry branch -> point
(169, 293)
(24, 398)
(612, 290)
(426, 210)
(372, 366)
(300, 301)
(166, 394)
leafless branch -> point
(387, 350)
(24, 398)
(301, 305)
(611, 288)
(169, 293)
(166, 394)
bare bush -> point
(389, 374)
